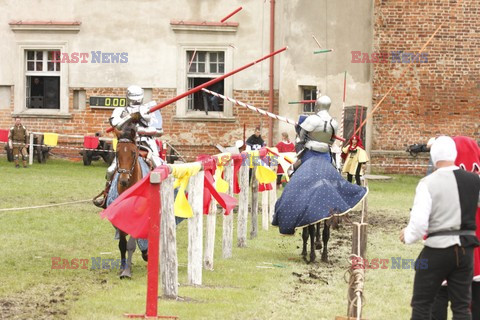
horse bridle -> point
(121, 170)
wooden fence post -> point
(265, 209)
(168, 241)
(210, 235)
(228, 220)
(195, 229)
(243, 207)
(359, 249)
(272, 198)
(254, 232)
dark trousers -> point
(357, 175)
(455, 264)
(440, 306)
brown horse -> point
(129, 172)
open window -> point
(42, 79)
(203, 66)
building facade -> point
(66, 66)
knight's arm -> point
(149, 131)
(119, 118)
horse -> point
(129, 172)
(313, 231)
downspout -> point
(271, 74)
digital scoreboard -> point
(107, 102)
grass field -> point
(238, 288)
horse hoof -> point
(324, 259)
(318, 246)
(126, 274)
(312, 258)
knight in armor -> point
(316, 189)
(18, 141)
(148, 126)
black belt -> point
(453, 233)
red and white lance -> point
(261, 111)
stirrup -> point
(100, 202)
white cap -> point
(443, 149)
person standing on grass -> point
(468, 158)
(255, 141)
(355, 157)
(18, 141)
(284, 146)
(444, 211)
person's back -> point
(444, 210)
(455, 195)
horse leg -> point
(318, 242)
(131, 246)
(122, 245)
(305, 240)
(325, 238)
(311, 230)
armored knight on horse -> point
(316, 192)
(148, 126)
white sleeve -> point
(116, 117)
(420, 214)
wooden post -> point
(168, 242)
(30, 155)
(195, 229)
(272, 197)
(210, 236)
(359, 248)
(265, 209)
(228, 220)
(254, 232)
(365, 203)
(243, 207)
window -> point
(203, 66)
(42, 79)
(309, 93)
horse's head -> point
(127, 156)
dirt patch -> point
(386, 221)
(39, 302)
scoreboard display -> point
(107, 102)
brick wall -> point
(388, 162)
(441, 96)
(190, 138)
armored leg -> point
(101, 199)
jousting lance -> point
(231, 14)
(301, 101)
(209, 83)
(261, 111)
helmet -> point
(134, 95)
(322, 103)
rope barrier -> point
(44, 206)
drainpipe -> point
(271, 74)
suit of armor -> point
(317, 130)
(148, 125)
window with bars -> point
(353, 118)
(42, 79)
(202, 67)
(309, 93)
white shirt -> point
(421, 210)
